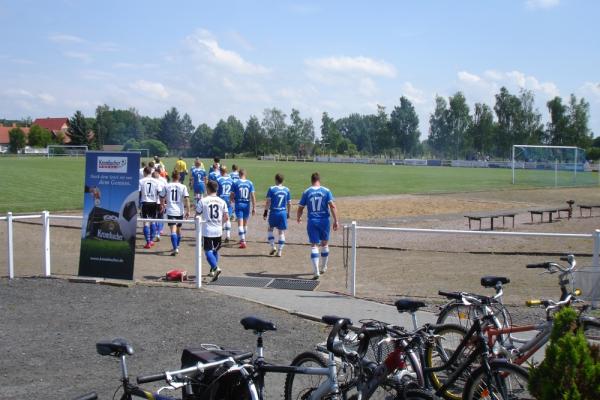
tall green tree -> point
(39, 137)
(201, 141)
(508, 114)
(330, 135)
(103, 124)
(187, 129)
(557, 127)
(78, 129)
(579, 116)
(439, 139)
(404, 126)
(382, 131)
(300, 134)
(459, 122)
(171, 132)
(481, 134)
(254, 137)
(16, 140)
(227, 136)
(530, 127)
(275, 129)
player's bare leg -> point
(314, 258)
(281, 242)
(271, 239)
(324, 256)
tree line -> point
(455, 130)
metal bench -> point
(491, 216)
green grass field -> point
(36, 184)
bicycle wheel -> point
(506, 382)
(300, 386)
(439, 352)
(457, 313)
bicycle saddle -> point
(116, 348)
(491, 281)
(408, 305)
(333, 319)
(257, 325)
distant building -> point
(4, 137)
(57, 126)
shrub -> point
(571, 368)
(156, 147)
(17, 140)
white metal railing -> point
(354, 228)
(46, 222)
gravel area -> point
(49, 327)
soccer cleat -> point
(315, 277)
(147, 245)
(157, 239)
(211, 273)
(323, 269)
(279, 253)
(273, 251)
(151, 244)
(175, 252)
(217, 273)
(242, 245)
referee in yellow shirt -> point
(181, 167)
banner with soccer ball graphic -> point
(110, 208)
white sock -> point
(271, 239)
(314, 257)
(324, 256)
(227, 229)
(242, 234)
(281, 241)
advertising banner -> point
(109, 214)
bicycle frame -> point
(530, 347)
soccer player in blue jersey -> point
(225, 184)
(277, 208)
(242, 193)
(214, 171)
(319, 202)
(198, 179)
(234, 174)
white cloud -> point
(467, 77)
(492, 80)
(154, 90)
(592, 88)
(81, 56)
(63, 38)
(23, 94)
(207, 48)
(415, 95)
(535, 4)
(367, 87)
(241, 41)
(360, 64)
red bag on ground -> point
(179, 275)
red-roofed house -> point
(56, 126)
(4, 138)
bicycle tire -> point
(505, 375)
(294, 389)
(463, 315)
(437, 350)
(417, 394)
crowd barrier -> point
(46, 218)
(353, 244)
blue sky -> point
(212, 59)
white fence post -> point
(353, 272)
(11, 256)
(46, 241)
(198, 252)
(596, 255)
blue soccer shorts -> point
(318, 230)
(229, 207)
(242, 210)
(278, 220)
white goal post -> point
(56, 150)
(142, 151)
(541, 165)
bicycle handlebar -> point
(545, 265)
(451, 295)
(336, 347)
(198, 368)
(87, 396)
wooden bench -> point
(492, 216)
(552, 210)
(587, 207)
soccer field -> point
(36, 184)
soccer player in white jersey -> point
(319, 202)
(176, 203)
(213, 210)
(277, 209)
(142, 170)
(162, 182)
(149, 195)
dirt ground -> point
(388, 264)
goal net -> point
(56, 150)
(551, 166)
